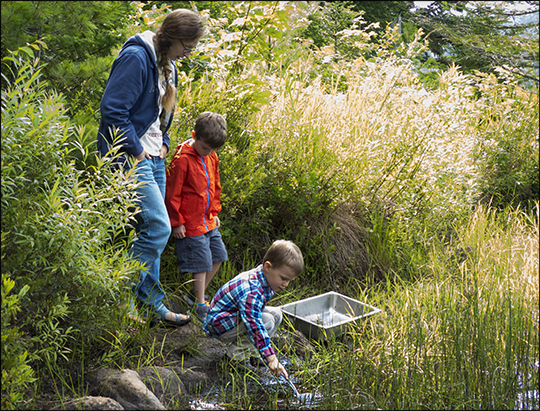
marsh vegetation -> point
(417, 195)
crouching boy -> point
(239, 314)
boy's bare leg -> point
(201, 281)
(211, 274)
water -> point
(528, 399)
(328, 318)
(288, 396)
(306, 399)
(198, 404)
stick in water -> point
(291, 385)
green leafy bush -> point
(16, 373)
(60, 226)
(508, 152)
(80, 38)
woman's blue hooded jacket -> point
(130, 102)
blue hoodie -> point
(131, 98)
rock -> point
(294, 343)
(194, 381)
(165, 384)
(302, 345)
(194, 368)
(90, 403)
(126, 387)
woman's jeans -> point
(153, 229)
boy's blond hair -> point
(211, 128)
(284, 252)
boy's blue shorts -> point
(197, 254)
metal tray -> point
(326, 314)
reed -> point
(459, 327)
(463, 337)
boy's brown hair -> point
(211, 128)
(284, 252)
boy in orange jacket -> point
(192, 197)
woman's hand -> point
(163, 151)
(143, 155)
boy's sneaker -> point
(190, 299)
(200, 311)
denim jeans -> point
(153, 229)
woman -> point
(136, 112)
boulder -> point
(90, 403)
(165, 384)
(194, 381)
(127, 388)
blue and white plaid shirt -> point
(244, 296)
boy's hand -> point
(216, 220)
(179, 232)
(276, 367)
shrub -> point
(59, 225)
(508, 153)
(16, 373)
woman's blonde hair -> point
(180, 24)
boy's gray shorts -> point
(197, 254)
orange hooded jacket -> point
(193, 190)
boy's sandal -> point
(162, 311)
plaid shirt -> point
(244, 296)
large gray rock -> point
(90, 403)
(194, 381)
(126, 387)
(165, 384)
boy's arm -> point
(216, 200)
(251, 314)
(261, 339)
(179, 232)
(173, 191)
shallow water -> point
(287, 395)
(305, 399)
(204, 405)
(328, 318)
(528, 400)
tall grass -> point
(459, 327)
(398, 141)
(390, 160)
(463, 337)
